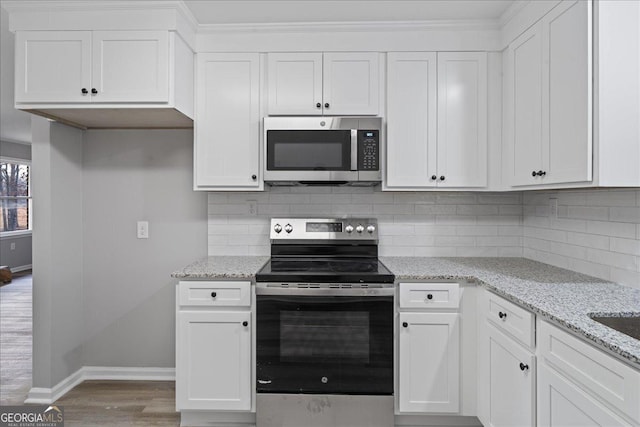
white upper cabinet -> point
(525, 116)
(130, 66)
(338, 84)
(227, 131)
(411, 120)
(436, 120)
(53, 66)
(92, 66)
(548, 111)
(462, 119)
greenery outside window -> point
(15, 196)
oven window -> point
(309, 150)
(317, 336)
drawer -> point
(429, 295)
(215, 293)
(510, 318)
(591, 369)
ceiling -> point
(287, 11)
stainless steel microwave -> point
(318, 150)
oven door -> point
(325, 344)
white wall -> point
(597, 232)
(128, 303)
(410, 224)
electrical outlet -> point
(553, 208)
(13, 246)
(143, 229)
(253, 208)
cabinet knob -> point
(502, 315)
(433, 177)
(429, 296)
(405, 325)
(84, 91)
(213, 294)
(254, 177)
(326, 105)
(442, 178)
(245, 323)
(534, 173)
(523, 367)
(542, 173)
(94, 91)
(318, 105)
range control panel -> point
(368, 150)
(324, 229)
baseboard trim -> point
(21, 268)
(45, 396)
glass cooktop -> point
(323, 270)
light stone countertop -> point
(564, 297)
(222, 267)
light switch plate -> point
(143, 229)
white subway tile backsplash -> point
(625, 214)
(597, 232)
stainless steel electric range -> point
(324, 346)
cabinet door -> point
(566, 125)
(411, 120)
(462, 119)
(295, 83)
(227, 125)
(53, 66)
(213, 366)
(525, 116)
(429, 347)
(561, 403)
(130, 66)
(509, 391)
(350, 83)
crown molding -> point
(512, 11)
(67, 5)
(387, 26)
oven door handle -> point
(277, 289)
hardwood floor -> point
(121, 403)
(92, 403)
(16, 328)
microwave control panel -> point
(368, 150)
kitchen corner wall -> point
(596, 232)
(410, 224)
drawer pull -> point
(213, 294)
(405, 325)
(245, 323)
(502, 315)
(429, 296)
(523, 367)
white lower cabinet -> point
(428, 356)
(561, 403)
(213, 356)
(506, 368)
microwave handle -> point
(354, 149)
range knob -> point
(349, 228)
(359, 228)
(288, 228)
(277, 228)
(371, 228)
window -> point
(15, 196)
